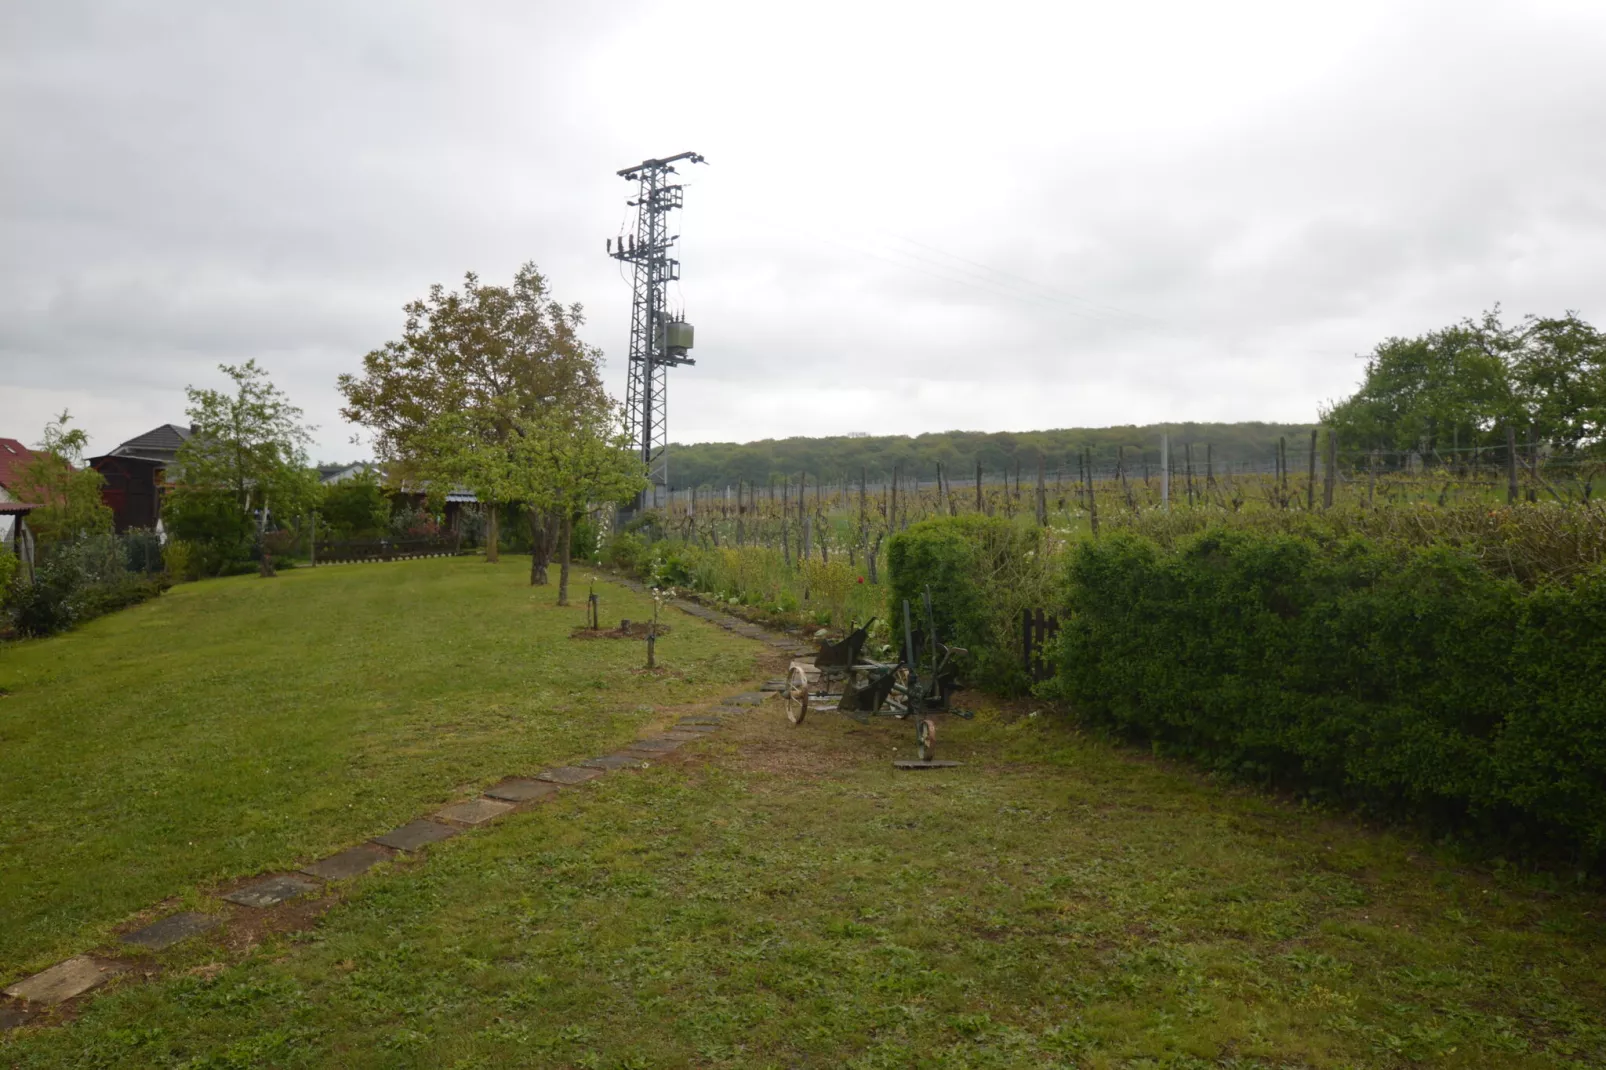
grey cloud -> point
(1050, 214)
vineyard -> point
(815, 549)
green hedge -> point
(1408, 680)
(982, 572)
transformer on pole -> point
(657, 342)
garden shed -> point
(136, 475)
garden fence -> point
(336, 551)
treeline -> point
(835, 457)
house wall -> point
(130, 490)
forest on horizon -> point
(837, 457)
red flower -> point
(861, 579)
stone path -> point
(33, 997)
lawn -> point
(241, 725)
(780, 897)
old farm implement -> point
(841, 678)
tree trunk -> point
(265, 562)
(543, 539)
(491, 555)
(563, 569)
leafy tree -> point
(247, 456)
(1463, 385)
(567, 461)
(555, 460)
(1559, 370)
(444, 399)
(69, 490)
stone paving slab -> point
(695, 726)
(270, 891)
(415, 834)
(925, 765)
(64, 980)
(731, 711)
(746, 698)
(569, 775)
(613, 761)
(12, 1014)
(521, 790)
(773, 685)
(171, 929)
(685, 735)
(474, 811)
(352, 862)
(655, 746)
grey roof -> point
(159, 444)
(339, 473)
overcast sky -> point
(915, 216)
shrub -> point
(9, 567)
(982, 572)
(626, 552)
(355, 508)
(181, 560)
(1411, 681)
(79, 579)
(219, 531)
(142, 552)
(42, 608)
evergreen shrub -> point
(1408, 680)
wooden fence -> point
(1037, 630)
(330, 552)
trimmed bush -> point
(1408, 680)
(982, 571)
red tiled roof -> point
(13, 456)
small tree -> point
(553, 460)
(565, 462)
(69, 491)
(246, 458)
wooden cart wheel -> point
(925, 738)
(797, 695)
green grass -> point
(783, 898)
(234, 726)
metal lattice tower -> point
(656, 343)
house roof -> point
(159, 443)
(329, 473)
(131, 461)
(13, 456)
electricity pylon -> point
(657, 343)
